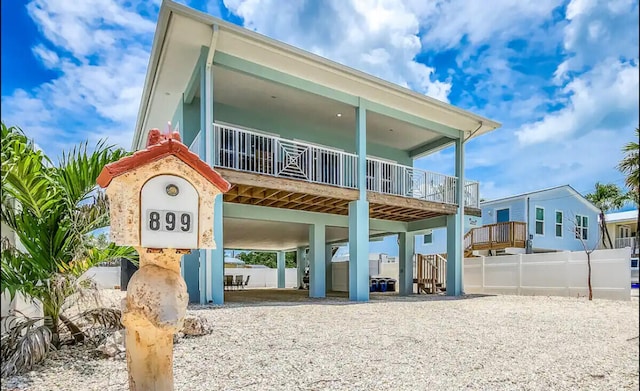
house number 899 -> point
(169, 221)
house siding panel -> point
(517, 211)
(564, 200)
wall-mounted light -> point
(339, 115)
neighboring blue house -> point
(539, 221)
(554, 218)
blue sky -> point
(561, 76)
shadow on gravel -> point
(294, 297)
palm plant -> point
(53, 208)
(629, 165)
(606, 197)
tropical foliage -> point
(267, 259)
(606, 197)
(629, 166)
(53, 208)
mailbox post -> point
(161, 202)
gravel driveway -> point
(478, 343)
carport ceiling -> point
(263, 97)
(248, 234)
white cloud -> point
(608, 94)
(450, 21)
(48, 57)
(101, 49)
(381, 37)
(598, 30)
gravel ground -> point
(390, 343)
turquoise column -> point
(202, 276)
(300, 264)
(217, 255)
(317, 260)
(406, 250)
(454, 229)
(328, 270)
(281, 274)
(359, 217)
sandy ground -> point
(280, 340)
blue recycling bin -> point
(382, 285)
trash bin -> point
(382, 285)
(373, 285)
(391, 285)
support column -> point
(359, 217)
(406, 242)
(328, 270)
(455, 232)
(217, 255)
(300, 263)
(281, 270)
(317, 260)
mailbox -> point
(162, 196)
(161, 202)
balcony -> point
(496, 236)
(627, 242)
(263, 154)
(267, 170)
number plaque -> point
(169, 218)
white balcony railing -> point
(627, 242)
(249, 151)
(259, 153)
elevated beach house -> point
(317, 153)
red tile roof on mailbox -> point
(160, 148)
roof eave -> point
(169, 6)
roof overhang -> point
(181, 32)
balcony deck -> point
(496, 236)
(274, 172)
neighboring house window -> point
(559, 223)
(539, 221)
(582, 227)
(428, 238)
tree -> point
(578, 232)
(606, 197)
(629, 165)
(267, 259)
(53, 208)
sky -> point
(561, 76)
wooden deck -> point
(263, 190)
(496, 236)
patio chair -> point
(238, 281)
(247, 281)
(228, 281)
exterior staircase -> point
(431, 273)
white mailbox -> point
(169, 213)
(162, 197)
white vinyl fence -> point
(109, 277)
(551, 274)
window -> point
(582, 227)
(559, 223)
(428, 238)
(539, 221)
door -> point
(502, 215)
